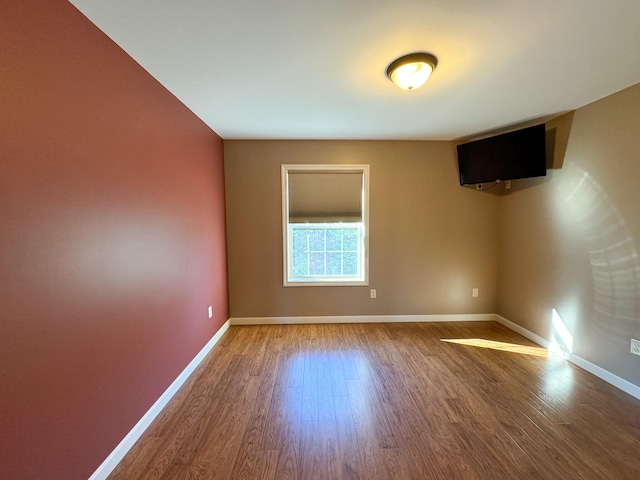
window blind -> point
(323, 197)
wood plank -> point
(380, 401)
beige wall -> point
(571, 242)
(431, 241)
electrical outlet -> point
(507, 184)
(474, 292)
(373, 293)
(210, 311)
(635, 346)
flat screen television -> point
(519, 154)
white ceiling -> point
(315, 69)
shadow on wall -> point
(558, 129)
(612, 251)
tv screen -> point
(519, 154)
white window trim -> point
(284, 175)
(359, 226)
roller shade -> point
(322, 197)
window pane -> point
(325, 218)
(334, 240)
(316, 241)
(300, 240)
(350, 239)
(300, 264)
(350, 265)
(316, 264)
(334, 261)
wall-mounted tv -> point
(519, 154)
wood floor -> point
(388, 401)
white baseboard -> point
(543, 342)
(599, 372)
(592, 368)
(458, 317)
(105, 469)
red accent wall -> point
(112, 241)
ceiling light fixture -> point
(411, 71)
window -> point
(326, 250)
(325, 227)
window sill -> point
(327, 283)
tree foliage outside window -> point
(326, 250)
(325, 224)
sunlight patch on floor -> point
(502, 346)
